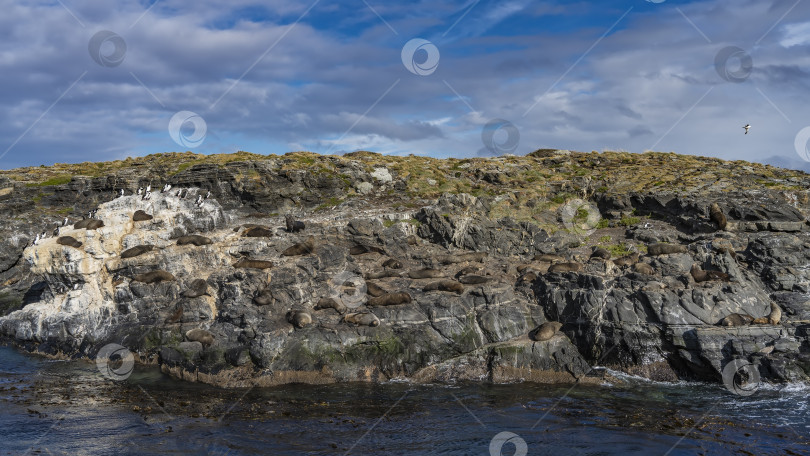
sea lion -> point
(374, 290)
(299, 318)
(545, 331)
(137, 250)
(200, 335)
(473, 279)
(330, 303)
(257, 231)
(760, 321)
(445, 285)
(360, 249)
(530, 276)
(362, 319)
(391, 299)
(600, 252)
(141, 216)
(704, 276)
(392, 264)
(627, 260)
(736, 319)
(175, 316)
(253, 264)
(89, 224)
(302, 248)
(382, 274)
(461, 257)
(293, 226)
(665, 249)
(246, 226)
(776, 314)
(69, 241)
(717, 216)
(426, 273)
(565, 267)
(548, 258)
(194, 239)
(264, 298)
(412, 240)
(468, 270)
(196, 288)
(154, 277)
(644, 268)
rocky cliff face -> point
(400, 272)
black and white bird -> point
(166, 188)
(121, 192)
(65, 221)
(747, 127)
(56, 231)
(76, 286)
(44, 235)
(36, 240)
(178, 193)
(149, 188)
(147, 195)
(199, 200)
(140, 190)
(208, 195)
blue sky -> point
(329, 77)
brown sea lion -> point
(361, 249)
(565, 267)
(374, 290)
(530, 276)
(391, 299)
(704, 276)
(264, 298)
(69, 241)
(175, 316)
(600, 252)
(545, 331)
(194, 239)
(548, 258)
(736, 319)
(426, 273)
(257, 231)
(196, 288)
(253, 264)
(200, 335)
(461, 257)
(760, 321)
(362, 319)
(382, 274)
(776, 314)
(303, 248)
(445, 285)
(293, 226)
(137, 250)
(644, 268)
(665, 249)
(89, 224)
(412, 240)
(154, 277)
(299, 318)
(246, 226)
(473, 279)
(141, 216)
(627, 260)
(330, 303)
(717, 216)
(392, 264)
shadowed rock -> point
(136, 251)
(361, 249)
(194, 239)
(196, 288)
(548, 258)
(141, 216)
(665, 249)
(69, 241)
(461, 257)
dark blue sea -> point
(68, 408)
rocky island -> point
(253, 270)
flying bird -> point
(747, 126)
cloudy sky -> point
(89, 80)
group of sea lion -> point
(736, 319)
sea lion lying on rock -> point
(644, 268)
(293, 226)
(445, 285)
(426, 273)
(194, 239)
(257, 231)
(704, 276)
(461, 257)
(303, 248)
(246, 226)
(299, 318)
(717, 216)
(154, 277)
(665, 249)
(69, 241)
(736, 319)
(330, 303)
(391, 299)
(545, 331)
(175, 316)
(253, 264)
(136, 251)
(196, 288)
(374, 290)
(361, 249)
(600, 252)
(565, 267)
(381, 274)
(468, 270)
(627, 260)
(529, 277)
(473, 279)
(89, 224)
(200, 335)
(362, 319)
(264, 298)
(141, 216)
(392, 264)
(548, 258)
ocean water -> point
(68, 407)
